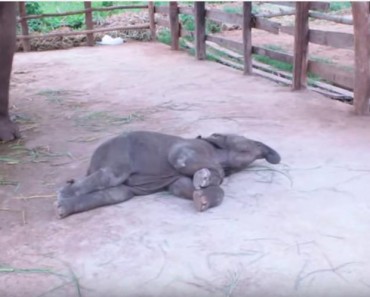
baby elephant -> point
(143, 162)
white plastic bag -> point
(108, 40)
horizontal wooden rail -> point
(162, 22)
(276, 14)
(46, 15)
(237, 19)
(333, 18)
(186, 10)
(323, 6)
(162, 9)
(43, 36)
(328, 38)
(282, 57)
(272, 73)
(230, 18)
(335, 74)
(226, 43)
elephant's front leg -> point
(203, 198)
(66, 206)
(8, 129)
(197, 164)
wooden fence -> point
(356, 81)
(347, 79)
(26, 36)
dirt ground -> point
(299, 228)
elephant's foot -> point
(207, 198)
(206, 177)
(202, 178)
(64, 203)
(8, 129)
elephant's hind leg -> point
(66, 206)
(99, 180)
(203, 199)
(183, 188)
(209, 197)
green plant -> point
(274, 63)
(107, 3)
(34, 8)
(274, 47)
(335, 6)
(164, 36)
(321, 59)
(212, 27)
(187, 21)
(232, 9)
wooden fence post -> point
(151, 13)
(22, 13)
(301, 38)
(89, 23)
(360, 12)
(247, 37)
(174, 25)
(200, 30)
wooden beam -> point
(163, 22)
(174, 25)
(89, 23)
(328, 17)
(283, 57)
(333, 39)
(276, 14)
(22, 12)
(300, 46)
(151, 14)
(162, 9)
(336, 75)
(46, 15)
(323, 6)
(266, 25)
(247, 37)
(360, 12)
(226, 43)
(134, 27)
(186, 10)
(200, 30)
(328, 38)
(224, 17)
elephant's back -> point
(149, 151)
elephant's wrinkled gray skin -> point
(8, 129)
(142, 162)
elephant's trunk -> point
(269, 154)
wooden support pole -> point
(247, 37)
(200, 30)
(24, 25)
(174, 25)
(301, 38)
(151, 13)
(89, 23)
(360, 13)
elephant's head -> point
(237, 152)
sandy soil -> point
(300, 229)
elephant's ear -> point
(217, 140)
